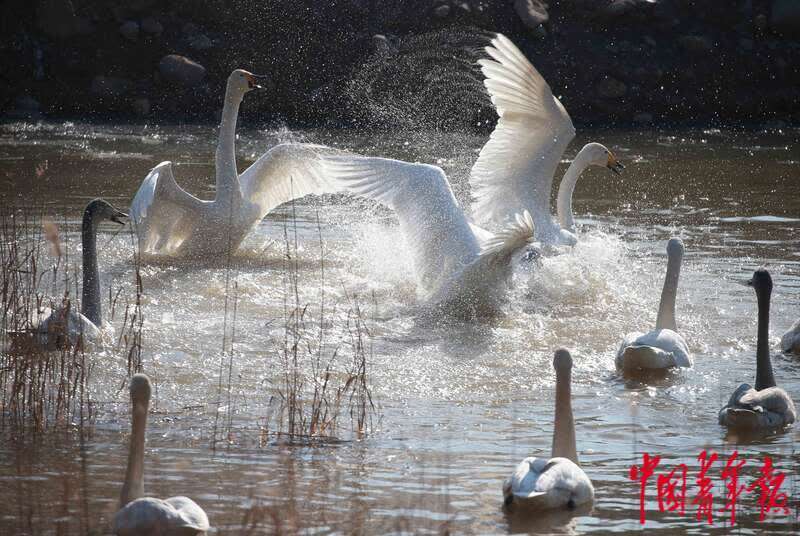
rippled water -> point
(461, 404)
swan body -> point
(170, 221)
(65, 324)
(557, 482)
(457, 271)
(765, 406)
(514, 171)
(663, 348)
(790, 342)
(146, 515)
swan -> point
(558, 482)
(65, 321)
(663, 348)
(790, 342)
(170, 221)
(457, 271)
(766, 406)
(146, 515)
(514, 170)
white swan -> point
(145, 515)
(663, 348)
(558, 482)
(790, 342)
(65, 324)
(514, 171)
(457, 271)
(170, 221)
(765, 406)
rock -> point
(442, 11)
(141, 106)
(785, 17)
(610, 88)
(532, 13)
(130, 30)
(695, 44)
(200, 42)
(181, 70)
(643, 118)
(109, 86)
(57, 19)
(151, 26)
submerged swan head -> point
(100, 209)
(140, 389)
(242, 81)
(599, 155)
(761, 282)
(562, 362)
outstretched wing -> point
(433, 224)
(285, 172)
(514, 171)
(162, 211)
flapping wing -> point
(162, 211)
(514, 171)
(285, 172)
(432, 223)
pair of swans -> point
(64, 324)
(765, 406)
(557, 482)
(138, 514)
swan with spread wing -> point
(170, 221)
(514, 171)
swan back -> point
(175, 516)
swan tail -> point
(500, 248)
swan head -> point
(100, 209)
(562, 362)
(243, 81)
(761, 281)
(599, 155)
(140, 389)
(675, 247)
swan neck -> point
(764, 376)
(91, 306)
(566, 189)
(133, 487)
(666, 309)
(227, 176)
(564, 427)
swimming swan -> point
(146, 515)
(458, 272)
(170, 221)
(65, 321)
(514, 171)
(558, 482)
(663, 348)
(766, 406)
(790, 342)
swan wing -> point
(553, 483)
(287, 171)
(790, 342)
(766, 409)
(514, 171)
(432, 223)
(155, 516)
(162, 212)
(656, 350)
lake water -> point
(459, 404)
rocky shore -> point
(611, 61)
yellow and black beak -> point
(254, 81)
(614, 164)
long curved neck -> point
(90, 295)
(666, 309)
(764, 376)
(564, 428)
(227, 177)
(133, 487)
(566, 188)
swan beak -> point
(119, 218)
(614, 164)
(254, 79)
